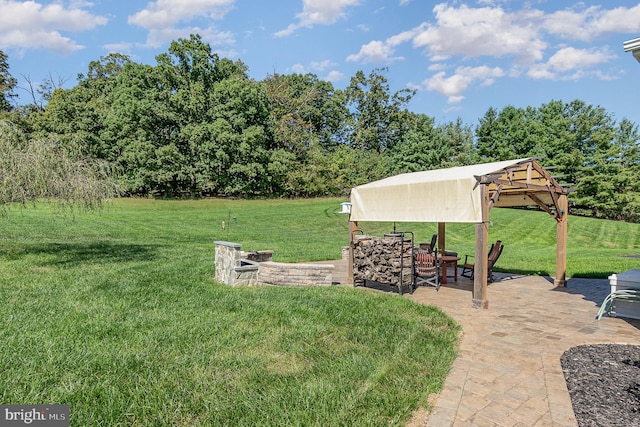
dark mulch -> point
(604, 384)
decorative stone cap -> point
(229, 244)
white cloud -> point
(571, 58)
(334, 76)
(570, 63)
(620, 19)
(453, 86)
(124, 48)
(521, 35)
(324, 12)
(298, 69)
(227, 53)
(405, 36)
(167, 13)
(438, 66)
(487, 31)
(373, 52)
(161, 19)
(377, 51)
(27, 24)
(322, 65)
(587, 23)
(158, 36)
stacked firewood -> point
(381, 259)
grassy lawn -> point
(117, 315)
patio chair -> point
(432, 245)
(494, 254)
(434, 240)
(426, 270)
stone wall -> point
(278, 273)
(246, 273)
(227, 257)
(237, 268)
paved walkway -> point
(508, 371)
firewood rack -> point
(386, 260)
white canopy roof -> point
(453, 194)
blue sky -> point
(462, 57)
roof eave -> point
(633, 46)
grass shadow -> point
(71, 254)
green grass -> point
(117, 315)
(596, 248)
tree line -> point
(195, 124)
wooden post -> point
(561, 242)
(441, 238)
(353, 226)
(481, 254)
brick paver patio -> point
(508, 369)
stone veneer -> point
(231, 268)
(237, 268)
(278, 273)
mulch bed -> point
(604, 384)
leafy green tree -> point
(420, 148)
(379, 119)
(429, 146)
(43, 168)
(458, 144)
(584, 144)
(506, 134)
(573, 134)
(80, 113)
(609, 186)
(303, 111)
(7, 83)
(336, 171)
(304, 118)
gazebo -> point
(465, 194)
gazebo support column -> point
(353, 226)
(441, 237)
(481, 253)
(561, 242)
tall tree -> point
(507, 134)
(429, 146)
(609, 184)
(379, 118)
(7, 83)
(43, 168)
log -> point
(385, 260)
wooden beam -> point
(547, 175)
(541, 204)
(481, 253)
(561, 241)
(495, 196)
(523, 185)
(441, 237)
(353, 227)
